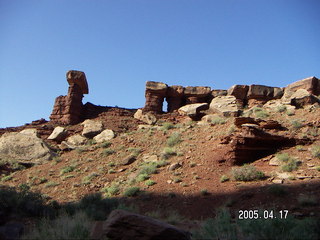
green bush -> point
(260, 113)
(224, 178)
(112, 190)
(105, 144)
(283, 157)
(150, 182)
(174, 139)
(87, 179)
(64, 227)
(217, 120)
(167, 126)
(281, 108)
(315, 151)
(131, 192)
(168, 152)
(247, 173)
(142, 177)
(296, 124)
(67, 169)
(291, 165)
(108, 151)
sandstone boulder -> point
(264, 92)
(148, 117)
(24, 146)
(311, 84)
(239, 91)
(225, 105)
(105, 135)
(123, 225)
(218, 93)
(58, 134)
(30, 131)
(76, 140)
(302, 98)
(278, 106)
(193, 110)
(127, 160)
(79, 78)
(91, 128)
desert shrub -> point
(150, 182)
(315, 151)
(305, 200)
(168, 152)
(23, 202)
(296, 124)
(167, 126)
(108, 152)
(174, 139)
(6, 178)
(291, 165)
(63, 227)
(204, 192)
(281, 108)
(224, 178)
(260, 113)
(96, 207)
(314, 131)
(290, 112)
(277, 190)
(112, 190)
(67, 169)
(223, 227)
(142, 177)
(131, 192)
(217, 120)
(300, 148)
(283, 157)
(220, 227)
(247, 173)
(87, 179)
(105, 144)
(51, 184)
(148, 168)
(135, 151)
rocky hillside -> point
(248, 147)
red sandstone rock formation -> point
(155, 94)
(175, 97)
(197, 94)
(68, 109)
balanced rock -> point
(24, 146)
(58, 134)
(105, 135)
(147, 117)
(91, 128)
(225, 105)
(155, 94)
(123, 225)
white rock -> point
(59, 133)
(76, 140)
(148, 118)
(192, 109)
(105, 135)
(225, 105)
(91, 128)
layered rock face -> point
(175, 97)
(68, 109)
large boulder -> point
(197, 94)
(147, 117)
(76, 140)
(225, 106)
(239, 91)
(123, 225)
(24, 146)
(91, 128)
(302, 98)
(193, 110)
(262, 92)
(58, 134)
(105, 135)
(311, 84)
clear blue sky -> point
(120, 44)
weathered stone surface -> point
(302, 98)
(262, 92)
(239, 121)
(239, 91)
(147, 117)
(209, 118)
(274, 161)
(91, 128)
(105, 135)
(193, 110)
(156, 86)
(78, 78)
(197, 94)
(174, 97)
(76, 140)
(276, 105)
(24, 147)
(174, 166)
(58, 134)
(311, 84)
(65, 146)
(123, 225)
(30, 131)
(225, 105)
(218, 93)
(150, 158)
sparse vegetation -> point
(260, 113)
(291, 165)
(131, 192)
(67, 169)
(112, 190)
(168, 152)
(108, 151)
(283, 157)
(315, 151)
(218, 120)
(296, 124)
(105, 144)
(224, 178)
(6, 178)
(142, 177)
(281, 108)
(51, 184)
(150, 182)
(167, 126)
(87, 179)
(204, 192)
(247, 173)
(174, 139)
